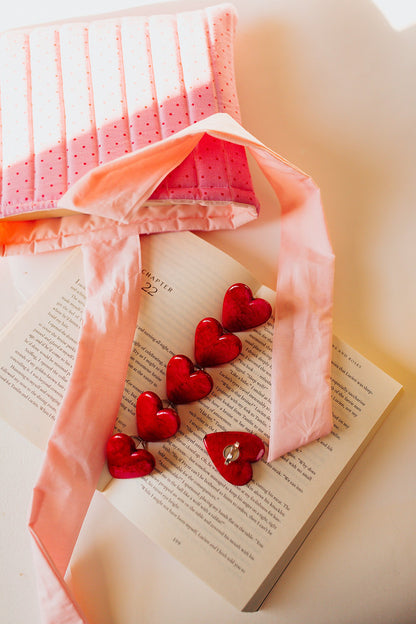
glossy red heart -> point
(183, 383)
(241, 449)
(213, 346)
(125, 461)
(241, 311)
(154, 422)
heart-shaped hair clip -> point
(233, 452)
(125, 460)
(241, 311)
(184, 384)
(155, 422)
(213, 346)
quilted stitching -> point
(79, 95)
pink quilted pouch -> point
(76, 96)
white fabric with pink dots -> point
(78, 95)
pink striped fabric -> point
(79, 95)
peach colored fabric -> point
(302, 341)
(75, 96)
(75, 453)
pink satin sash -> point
(75, 452)
(112, 196)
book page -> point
(37, 351)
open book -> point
(237, 539)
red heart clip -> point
(240, 311)
(155, 423)
(213, 346)
(233, 452)
(125, 461)
(183, 385)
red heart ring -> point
(213, 346)
(125, 461)
(183, 383)
(154, 422)
(241, 311)
(233, 452)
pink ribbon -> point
(75, 452)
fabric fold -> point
(75, 453)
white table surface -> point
(330, 86)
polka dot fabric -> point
(79, 95)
